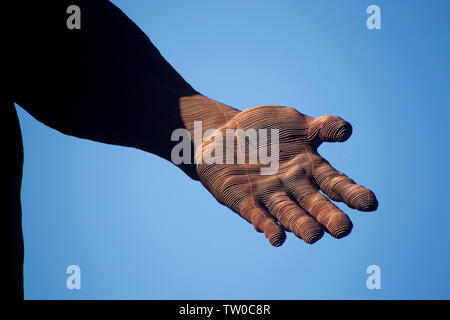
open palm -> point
(290, 198)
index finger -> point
(338, 187)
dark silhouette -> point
(107, 82)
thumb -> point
(329, 129)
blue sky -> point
(140, 229)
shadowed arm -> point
(107, 82)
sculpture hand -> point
(289, 199)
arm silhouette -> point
(107, 82)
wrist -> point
(211, 113)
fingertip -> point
(363, 200)
(344, 132)
(313, 237)
(273, 232)
(368, 203)
(335, 129)
(277, 238)
(340, 226)
(308, 230)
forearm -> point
(105, 82)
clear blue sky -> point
(140, 229)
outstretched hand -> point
(297, 197)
